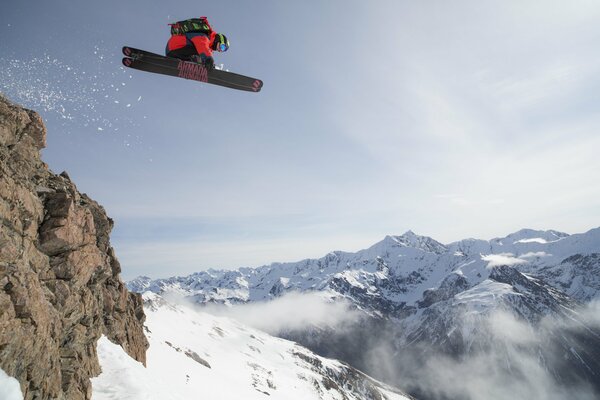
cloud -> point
(508, 359)
(495, 260)
(534, 254)
(514, 362)
(293, 311)
(506, 327)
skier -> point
(195, 40)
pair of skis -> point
(150, 62)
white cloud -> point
(495, 260)
(506, 327)
(507, 366)
(509, 259)
(290, 312)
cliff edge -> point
(60, 288)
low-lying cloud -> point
(507, 359)
(293, 311)
(495, 260)
(517, 362)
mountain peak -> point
(532, 235)
(411, 239)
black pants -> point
(184, 53)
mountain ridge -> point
(376, 258)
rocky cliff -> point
(60, 288)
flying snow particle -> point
(139, 98)
(100, 129)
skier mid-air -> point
(195, 40)
(189, 55)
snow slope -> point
(9, 387)
(197, 355)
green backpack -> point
(191, 25)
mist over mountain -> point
(511, 317)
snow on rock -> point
(531, 236)
(9, 387)
(194, 354)
(483, 296)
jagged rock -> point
(577, 275)
(60, 288)
(450, 286)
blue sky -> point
(453, 119)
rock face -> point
(60, 288)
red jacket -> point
(200, 41)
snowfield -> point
(197, 355)
(9, 387)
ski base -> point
(150, 62)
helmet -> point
(221, 43)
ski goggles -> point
(221, 42)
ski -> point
(150, 62)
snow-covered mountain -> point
(417, 293)
(399, 274)
(196, 355)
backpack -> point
(200, 25)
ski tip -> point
(257, 85)
(126, 51)
(127, 61)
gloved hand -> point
(208, 61)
